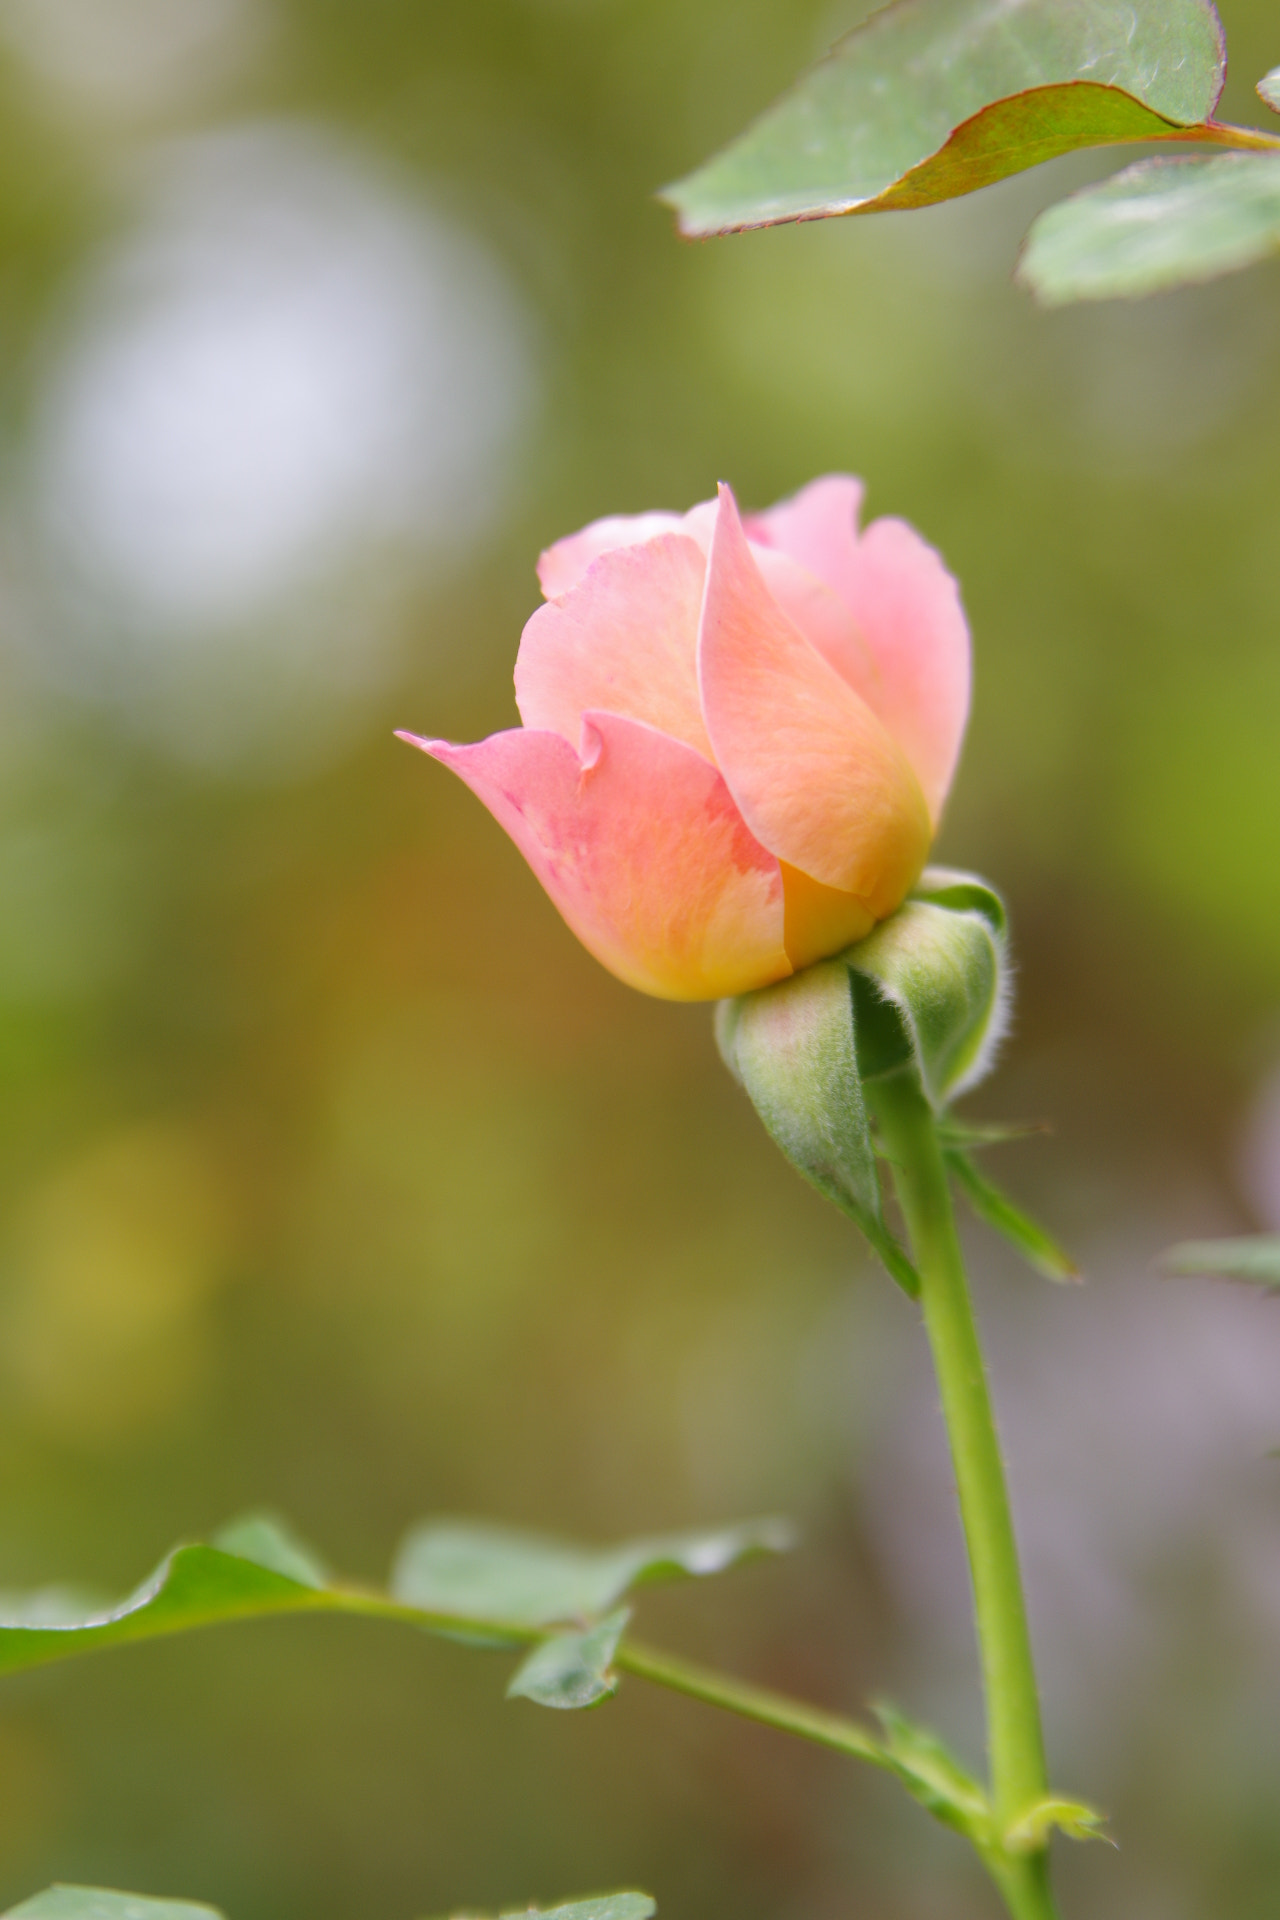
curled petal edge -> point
(638, 843)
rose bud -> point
(737, 738)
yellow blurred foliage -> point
(112, 1261)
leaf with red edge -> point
(930, 99)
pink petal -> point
(625, 640)
(905, 605)
(816, 526)
(641, 848)
(818, 779)
(562, 566)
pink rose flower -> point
(737, 739)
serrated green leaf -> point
(1254, 1257)
(942, 967)
(933, 1776)
(794, 1049)
(601, 1906)
(474, 1571)
(572, 1669)
(99, 1903)
(1072, 1817)
(1269, 88)
(933, 98)
(1159, 224)
(1036, 1246)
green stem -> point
(1024, 1883)
(753, 1703)
(1014, 1738)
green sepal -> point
(925, 991)
(1251, 1256)
(100, 1903)
(940, 962)
(1037, 1247)
(503, 1575)
(793, 1048)
(572, 1670)
(932, 1775)
(963, 893)
(1075, 1818)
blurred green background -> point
(337, 1178)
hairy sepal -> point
(925, 992)
(941, 963)
(793, 1048)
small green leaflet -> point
(98, 1903)
(193, 1586)
(1254, 1257)
(929, 99)
(1269, 89)
(1159, 224)
(933, 1776)
(572, 1669)
(602, 1906)
(270, 1542)
(502, 1575)
(1037, 1247)
(461, 1580)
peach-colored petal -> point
(641, 848)
(906, 607)
(820, 920)
(818, 779)
(822, 617)
(624, 640)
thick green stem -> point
(1014, 1739)
(1025, 1884)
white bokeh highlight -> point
(289, 388)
